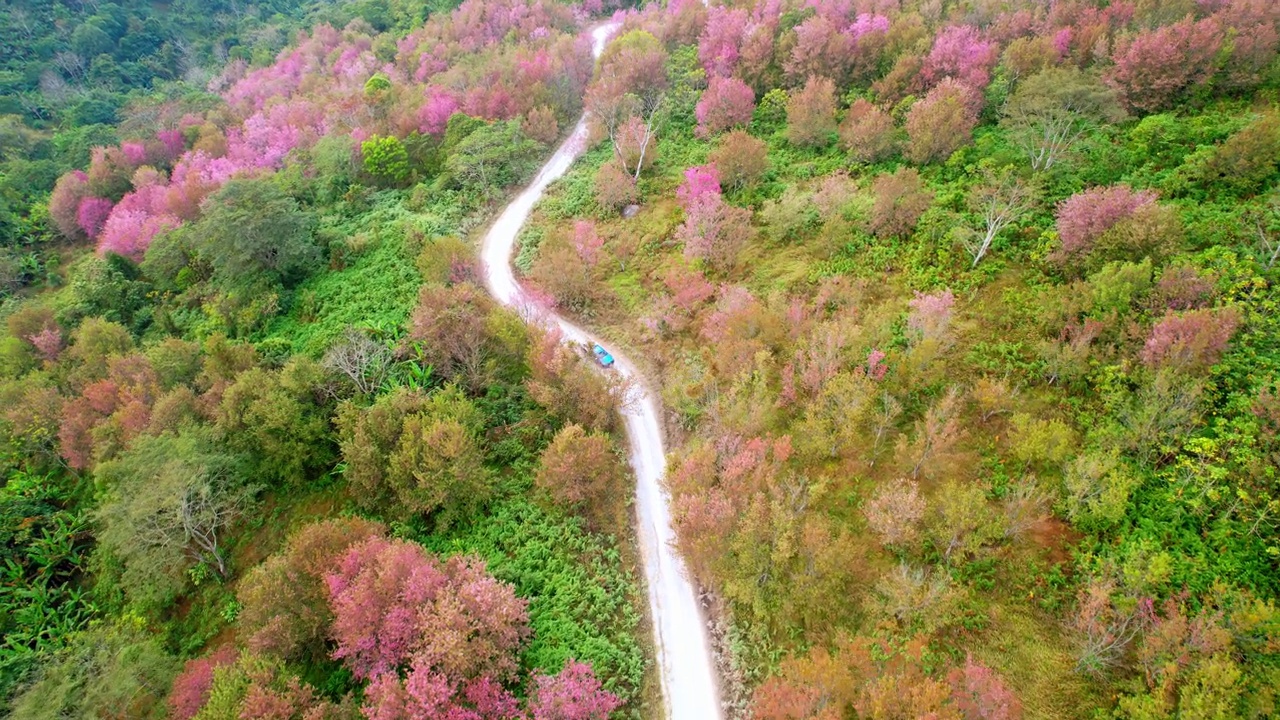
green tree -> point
(112, 670)
(492, 157)
(386, 159)
(168, 501)
(252, 232)
(1053, 109)
(275, 418)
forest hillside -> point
(962, 314)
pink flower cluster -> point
(1085, 216)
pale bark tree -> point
(361, 359)
(1052, 110)
(1001, 200)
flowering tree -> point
(895, 511)
(941, 122)
(867, 132)
(631, 83)
(740, 159)
(581, 470)
(930, 315)
(961, 54)
(393, 602)
(1084, 217)
(1191, 340)
(64, 203)
(191, 687)
(727, 102)
(821, 49)
(811, 113)
(981, 694)
(572, 694)
(284, 602)
(615, 188)
(699, 181)
(714, 230)
(1155, 67)
(718, 47)
(900, 198)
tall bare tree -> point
(1051, 110)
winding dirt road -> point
(683, 651)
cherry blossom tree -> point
(714, 231)
(1155, 67)
(821, 49)
(811, 113)
(981, 694)
(900, 198)
(867, 132)
(191, 687)
(572, 694)
(615, 188)
(393, 602)
(942, 122)
(961, 54)
(740, 158)
(721, 40)
(895, 511)
(1084, 217)
(581, 470)
(631, 84)
(699, 181)
(1190, 340)
(726, 103)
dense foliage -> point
(967, 340)
(264, 382)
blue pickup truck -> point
(602, 355)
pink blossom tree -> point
(811, 113)
(1087, 215)
(930, 315)
(92, 215)
(392, 601)
(715, 231)
(587, 241)
(718, 47)
(942, 122)
(1190, 340)
(727, 102)
(960, 53)
(979, 693)
(572, 694)
(191, 687)
(821, 49)
(699, 181)
(867, 132)
(434, 114)
(64, 203)
(1155, 67)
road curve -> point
(689, 686)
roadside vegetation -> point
(963, 316)
(269, 450)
